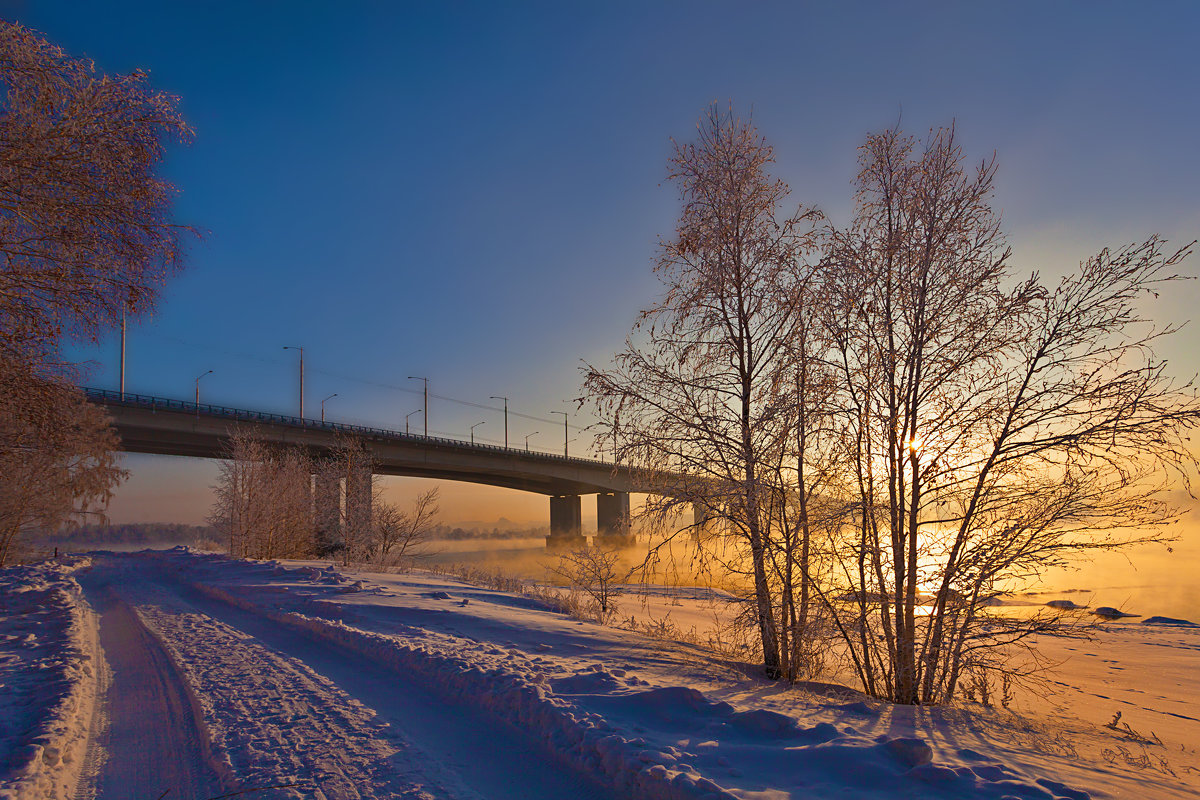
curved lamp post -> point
(323, 405)
(565, 431)
(535, 433)
(426, 409)
(505, 399)
(473, 427)
(301, 349)
(198, 377)
(406, 416)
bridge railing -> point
(110, 397)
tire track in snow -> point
(273, 720)
(493, 758)
(150, 735)
(94, 755)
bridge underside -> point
(182, 434)
(153, 429)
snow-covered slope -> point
(377, 685)
(49, 672)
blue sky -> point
(473, 191)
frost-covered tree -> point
(86, 229)
(996, 426)
(700, 399)
(86, 235)
(58, 457)
(594, 570)
(350, 458)
(263, 499)
(900, 430)
(400, 534)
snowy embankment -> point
(510, 693)
(364, 685)
(49, 671)
(627, 711)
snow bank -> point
(49, 665)
(1183, 623)
(583, 739)
(657, 742)
(1110, 613)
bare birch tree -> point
(904, 433)
(593, 569)
(263, 499)
(996, 427)
(400, 534)
(701, 389)
(58, 455)
(810, 476)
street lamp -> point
(505, 399)
(473, 427)
(124, 308)
(198, 377)
(301, 349)
(535, 433)
(406, 416)
(426, 409)
(323, 405)
(565, 433)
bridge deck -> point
(159, 425)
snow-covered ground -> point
(50, 674)
(334, 685)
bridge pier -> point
(612, 519)
(327, 499)
(566, 523)
(359, 486)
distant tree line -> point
(447, 533)
(136, 533)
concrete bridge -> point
(174, 427)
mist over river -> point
(1148, 580)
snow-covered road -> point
(146, 737)
(285, 709)
(195, 675)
